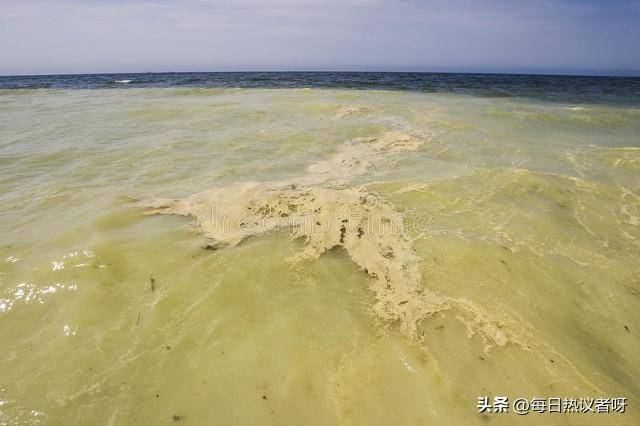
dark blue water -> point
(609, 90)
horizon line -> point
(550, 73)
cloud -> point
(466, 35)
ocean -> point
(317, 248)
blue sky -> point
(559, 36)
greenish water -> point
(528, 210)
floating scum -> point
(326, 210)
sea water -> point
(514, 265)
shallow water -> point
(523, 214)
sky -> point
(535, 36)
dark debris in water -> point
(387, 252)
(343, 231)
